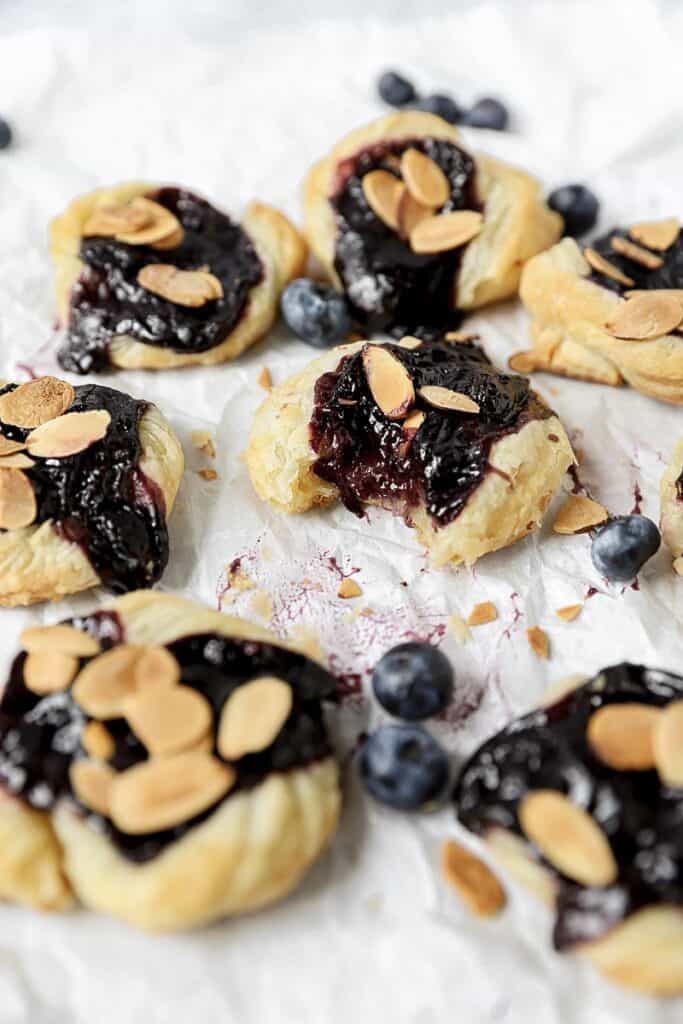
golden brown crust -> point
(517, 223)
(568, 332)
(279, 245)
(671, 507)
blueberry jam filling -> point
(641, 817)
(40, 737)
(100, 498)
(363, 453)
(387, 284)
(669, 275)
(107, 301)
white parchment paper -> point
(372, 935)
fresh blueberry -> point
(441, 105)
(395, 89)
(413, 681)
(578, 207)
(5, 134)
(403, 766)
(316, 312)
(488, 113)
(623, 545)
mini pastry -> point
(151, 278)
(468, 456)
(671, 502)
(88, 477)
(163, 763)
(582, 801)
(413, 228)
(610, 313)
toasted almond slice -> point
(383, 192)
(105, 683)
(18, 506)
(164, 792)
(112, 218)
(538, 641)
(389, 381)
(264, 379)
(156, 666)
(49, 671)
(668, 744)
(170, 241)
(444, 398)
(424, 179)
(349, 588)
(446, 231)
(36, 402)
(568, 837)
(59, 638)
(207, 474)
(522, 362)
(646, 317)
(410, 213)
(203, 440)
(569, 612)
(579, 513)
(69, 434)
(171, 721)
(19, 460)
(192, 288)
(160, 223)
(410, 342)
(622, 735)
(656, 234)
(410, 427)
(472, 879)
(462, 336)
(482, 613)
(92, 783)
(635, 253)
(603, 266)
(253, 716)
(8, 447)
(97, 741)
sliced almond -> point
(656, 234)
(579, 513)
(92, 782)
(424, 179)
(156, 666)
(349, 588)
(410, 427)
(472, 879)
(409, 342)
(569, 612)
(105, 683)
(461, 336)
(97, 741)
(161, 223)
(538, 641)
(410, 213)
(635, 253)
(383, 192)
(252, 717)
(522, 362)
(49, 671)
(62, 638)
(191, 288)
(668, 744)
(603, 266)
(36, 402)
(444, 398)
(114, 218)
(164, 792)
(19, 460)
(389, 381)
(646, 317)
(18, 506)
(446, 231)
(568, 837)
(482, 613)
(171, 721)
(264, 379)
(8, 447)
(170, 241)
(622, 735)
(69, 434)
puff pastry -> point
(102, 243)
(364, 244)
(469, 482)
(92, 512)
(671, 503)
(580, 800)
(183, 771)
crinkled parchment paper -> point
(373, 935)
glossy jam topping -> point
(388, 285)
(669, 275)
(107, 301)
(40, 737)
(100, 498)
(363, 454)
(641, 817)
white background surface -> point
(236, 101)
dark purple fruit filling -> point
(362, 452)
(107, 301)
(642, 818)
(669, 275)
(40, 737)
(387, 284)
(100, 498)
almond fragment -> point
(8, 447)
(104, 685)
(156, 666)
(113, 218)
(60, 638)
(252, 717)
(462, 336)
(622, 735)
(444, 398)
(202, 439)
(569, 612)
(36, 402)
(207, 474)
(164, 792)
(389, 381)
(191, 288)
(49, 671)
(410, 213)
(424, 179)
(646, 317)
(383, 192)
(18, 506)
(522, 362)
(568, 837)
(538, 641)
(635, 253)
(668, 744)
(472, 879)
(446, 231)
(264, 379)
(409, 429)
(68, 434)
(410, 342)
(169, 722)
(170, 241)
(161, 223)
(92, 783)
(349, 588)
(97, 741)
(482, 613)
(579, 513)
(656, 234)
(603, 266)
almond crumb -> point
(482, 613)
(207, 474)
(202, 439)
(458, 627)
(538, 641)
(569, 612)
(349, 588)
(579, 513)
(264, 379)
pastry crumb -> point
(458, 627)
(538, 641)
(349, 588)
(482, 613)
(202, 439)
(207, 474)
(569, 612)
(472, 879)
(265, 379)
(261, 604)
